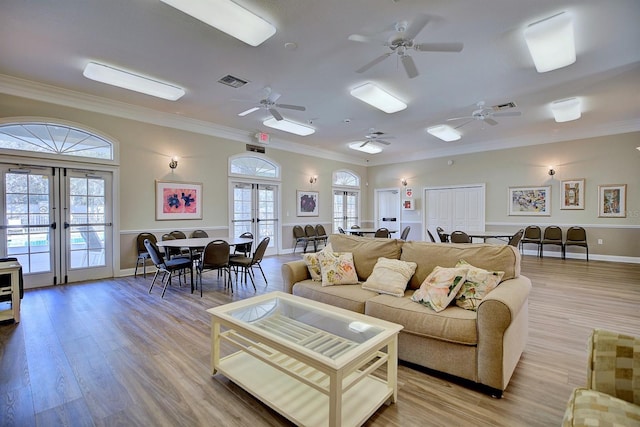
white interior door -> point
(388, 209)
(455, 208)
(255, 209)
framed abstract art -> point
(531, 201)
(307, 203)
(612, 201)
(178, 200)
(572, 194)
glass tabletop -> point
(317, 330)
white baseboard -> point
(595, 257)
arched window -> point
(345, 178)
(45, 137)
(256, 166)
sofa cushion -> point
(337, 268)
(366, 251)
(311, 260)
(349, 297)
(454, 324)
(390, 276)
(489, 257)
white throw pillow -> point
(337, 268)
(390, 276)
(313, 265)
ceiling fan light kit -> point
(565, 110)
(131, 81)
(289, 126)
(227, 17)
(378, 98)
(551, 42)
(366, 148)
(444, 132)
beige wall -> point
(145, 151)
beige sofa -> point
(482, 346)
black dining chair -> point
(341, 230)
(459, 237)
(197, 234)
(299, 238)
(321, 235)
(552, 236)
(248, 264)
(143, 255)
(382, 232)
(405, 233)
(442, 235)
(216, 257)
(166, 266)
(433, 240)
(243, 248)
(312, 236)
(356, 227)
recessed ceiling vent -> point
(232, 81)
(505, 106)
(256, 148)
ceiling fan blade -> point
(468, 121)
(459, 118)
(490, 121)
(363, 39)
(276, 115)
(382, 141)
(409, 66)
(273, 97)
(507, 114)
(438, 47)
(372, 63)
(249, 111)
(365, 143)
(416, 26)
(292, 107)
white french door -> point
(346, 208)
(57, 223)
(255, 208)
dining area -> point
(187, 258)
(512, 238)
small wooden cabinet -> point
(12, 268)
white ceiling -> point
(50, 42)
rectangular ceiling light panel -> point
(382, 100)
(551, 42)
(368, 148)
(565, 110)
(444, 132)
(288, 126)
(128, 80)
(227, 17)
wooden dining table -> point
(194, 244)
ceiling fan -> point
(269, 103)
(486, 114)
(376, 137)
(401, 41)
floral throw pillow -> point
(478, 283)
(440, 287)
(390, 276)
(313, 265)
(337, 268)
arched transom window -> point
(254, 166)
(346, 178)
(54, 138)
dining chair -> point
(532, 235)
(459, 237)
(243, 248)
(341, 230)
(442, 235)
(310, 233)
(196, 234)
(248, 264)
(552, 236)
(216, 257)
(178, 234)
(299, 238)
(321, 234)
(576, 236)
(433, 240)
(382, 232)
(165, 266)
(515, 239)
(356, 227)
(405, 233)
(143, 255)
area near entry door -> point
(255, 210)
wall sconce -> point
(313, 179)
(551, 171)
(173, 163)
(404, 181)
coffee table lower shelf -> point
(297, 401)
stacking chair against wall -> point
(321, 235)
(442, 235)
(247, 264)
(405, 233)
(552, 236)
(459, 237)
(216, 257)
(576, 236)
(299, 238)
(165, 266)
(312, 237)
(532, 235)
(515, 239)
(382, 232)
(433, 240)
(143, 255)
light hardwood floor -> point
(108, 353)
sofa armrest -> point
(614, 365)
(502, 331)
(292, 273)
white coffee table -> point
(311, 362)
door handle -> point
(66, 225)
(54, 225)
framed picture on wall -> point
(178, 200)
(408, 205)
(612, 201)
(572, 194)
(307, 203)
(530, 201)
